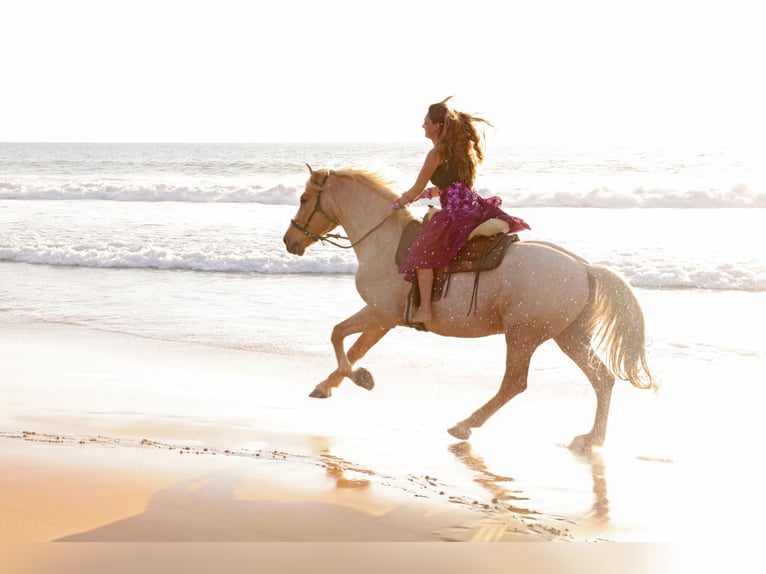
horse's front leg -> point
(366, 322)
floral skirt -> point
(462, 210)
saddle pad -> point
(479, 254)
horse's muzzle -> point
(294, 246)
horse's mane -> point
(374, 181)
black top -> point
(444, 176)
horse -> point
(540, 291)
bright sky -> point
(544, 71)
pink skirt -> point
(462, 210)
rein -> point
(329, 237)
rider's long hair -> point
(461, 143)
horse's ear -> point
(311, 171)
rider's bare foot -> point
(421, 316)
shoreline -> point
(66, 489)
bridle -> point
(317, 209)
(328, 237)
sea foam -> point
(649, 275)
(737, 196)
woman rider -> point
(451, 167)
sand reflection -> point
(507, 497)
(337, 468)
(599, 512)
(498, 486)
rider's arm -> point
(412, 194)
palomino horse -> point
(540, 291)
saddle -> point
(480, 253)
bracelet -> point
(398, 203)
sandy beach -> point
(115, 491)
(101, 477)
(108, 483)
(72, 479)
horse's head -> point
(313, 220)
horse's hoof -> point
(460, 431)
(363, 378)
(582, 444)
(318, 393)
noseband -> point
(328, 237)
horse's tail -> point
(617, 325)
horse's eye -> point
(303, 199)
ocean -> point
(182, 243)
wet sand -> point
(106, 503)
(110, 438)
(116, 439)
(97, 489)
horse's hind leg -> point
(364, 343)
(575, 341)
(514, 382)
